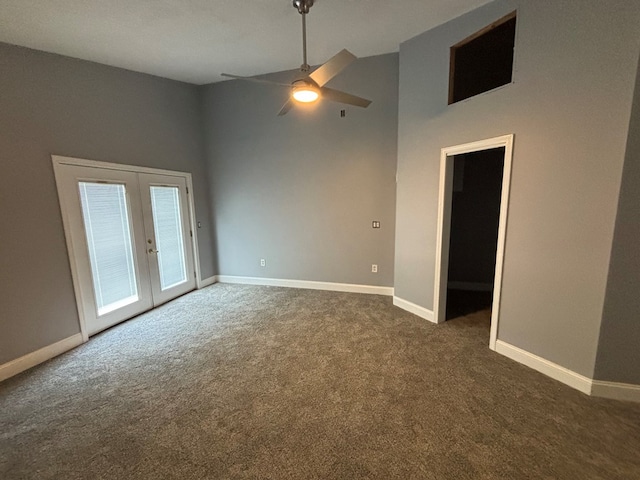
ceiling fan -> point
(311, 86)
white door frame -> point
(58, 161)
(444, 225)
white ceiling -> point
(195, 40)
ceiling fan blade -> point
(256, 80)
(343, 97)
(332, 67)
(285, 108)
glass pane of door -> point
(107, 228)
(167, 225)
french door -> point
(129, 240)
(167, 233)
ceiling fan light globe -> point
(305, 94)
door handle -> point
(151, 250)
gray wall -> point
(569, 108)
(302, 190)
(55, 105)
(619, 347)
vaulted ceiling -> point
(195, 40)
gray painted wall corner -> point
(568, 107)
(51, 104)
(302, 190)
(618, 357)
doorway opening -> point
(475, 214)
(472, 216)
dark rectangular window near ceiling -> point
(483, 61)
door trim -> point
(444, 226)
(58, 161)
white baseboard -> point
(205, 282)
(616, 391)
(413, 308)
(312, 285)
(32, 359)
(470, 286)
(550, 369)
(596, 388)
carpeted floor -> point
(244, 382)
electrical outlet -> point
(374, 268)
(263, 262)
(375, 224)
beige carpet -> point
(242, 382)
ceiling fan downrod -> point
(303, 7)
(310, 86)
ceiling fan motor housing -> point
(303, 6)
